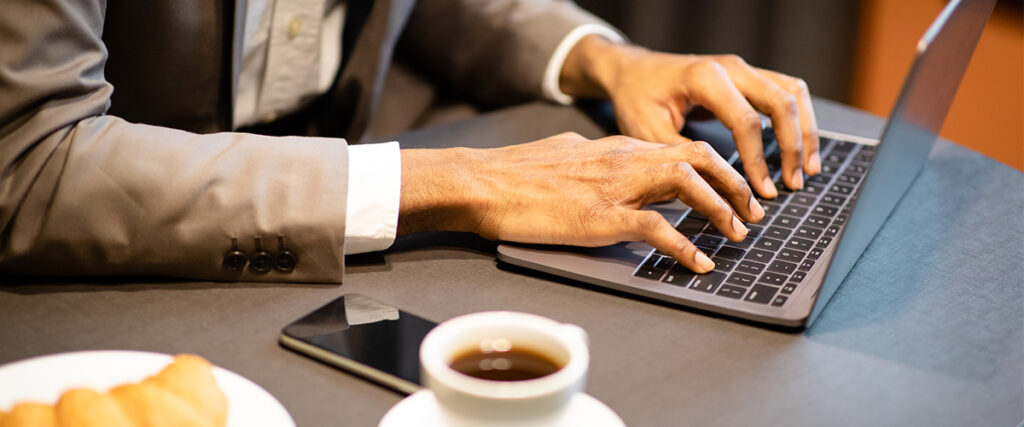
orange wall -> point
(988, 111)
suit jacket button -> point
(261, 262)
(285, 261)
(235, 260)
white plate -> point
(43, 379)
(421, 409)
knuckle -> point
(648, 221)
(700, 150)
(732, 59)
(707, 66)
(749, 120)
(799, 87)
(571, 135)
(786, 103)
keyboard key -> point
(794, 210)
(836, 157)
(812, 188)
(840, 219)
(788, 289)
(776, 233)
(786, 221)
(707, 282)
(729, 252)
(800, 244)
(690, 226)
(806, 265)
(833, 199)
(791, 255)
(730, 291)
(817, 221)
(830, 167)
(824, 242)
(825, 143)
(741, 279)
(754, 230)
(708, 241)
(797, 277)
(815, 253)
(722, 264)
(825, 210)
(832, 231)
(774, 279)
(759, 255)
(864, 157)
(821, 178)
(782, 267)
(761, 294)
(856, 169)
(803, 199)
(665, 263)
(647, 270)
(845, 190)
(745, 243)
(768, 244)
(750, 267)
(779, 301)
(843, 147)
(848, 179)
(679, 276)
(808, 232)
(770, 208)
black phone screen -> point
(356, 332)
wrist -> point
(593, 66)
(436, 193)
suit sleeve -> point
(493, 51)
(84, 193)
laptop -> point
(794, 260)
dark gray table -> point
(926, 329)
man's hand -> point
(652, 93)
(569, 190)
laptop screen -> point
(912, 129)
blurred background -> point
(855, 52)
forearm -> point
(437, 193)
(593, 66)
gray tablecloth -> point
(926, 330)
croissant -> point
(183, 394)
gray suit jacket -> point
(140, 177)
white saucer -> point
(421, 409)
(43, 379)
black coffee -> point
(514, 364)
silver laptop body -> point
(791, 289)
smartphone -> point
(365, 337)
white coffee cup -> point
(468, 400)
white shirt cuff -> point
(550, 87)
(374, 191)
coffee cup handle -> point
(571, 331)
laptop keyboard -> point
(770, 264)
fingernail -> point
(738, 226)
(769, 188)
(814, 164)
(798, 179)
(703, 262)
(755, 209)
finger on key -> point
(693, 190)
(719, 95)
(724, 179)
(808, 122)
(782, 106)
(654, 230)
